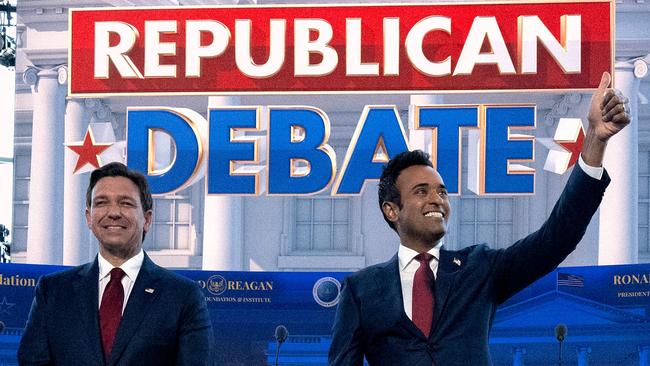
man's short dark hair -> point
(116, 169)
(388, 191)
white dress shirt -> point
(408, 265)
(131, 267)
(595, 172)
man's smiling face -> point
(116, 216)
(421, 221)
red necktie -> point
(110, 311)
(423, 294)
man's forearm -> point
(593, 149)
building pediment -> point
(556, 307)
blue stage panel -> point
(606, 310)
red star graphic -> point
(87, 151)
(573, 146)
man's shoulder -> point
(470, 250)
(69, 273)
(477, 254)
(371, 271)
(65, 279)
(171, 277)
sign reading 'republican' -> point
(469, 47)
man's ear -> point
(391, 210)
(148, 219)
(89, 220)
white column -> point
(45, 233)
(75, 231)
(518, 356)
(583, 355)
(223, 239)
(223, 227)
(618, 236)
(644, 355)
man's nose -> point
(114, 211)
(434, 197)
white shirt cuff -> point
(595, 172)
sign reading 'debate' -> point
(380, 48)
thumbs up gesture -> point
(609, 111)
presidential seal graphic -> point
(216, 284)
(326, 291)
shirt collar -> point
(406, 255)
(131, 267)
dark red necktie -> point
(110, 311)
(423, 294)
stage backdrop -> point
(606, 310)
(242, 199)
(261, 254)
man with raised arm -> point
(430, 306)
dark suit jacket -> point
(167, 326)
(470, 283)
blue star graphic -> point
(5, 306)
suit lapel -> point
(137, 307)
(87, 299)
(448, 266)
(390, 285)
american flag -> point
(565, 279)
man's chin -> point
(437, 236)
(120, 250)
(113, 243)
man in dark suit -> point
(430, 306)
(121, 309)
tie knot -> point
(117, 274)
(424, 258)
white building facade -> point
(307, 233)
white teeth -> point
(433, 214)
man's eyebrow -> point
(420, 185)
(119, 197)
(101, 196)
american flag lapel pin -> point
(149, 290)
(457, 262)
